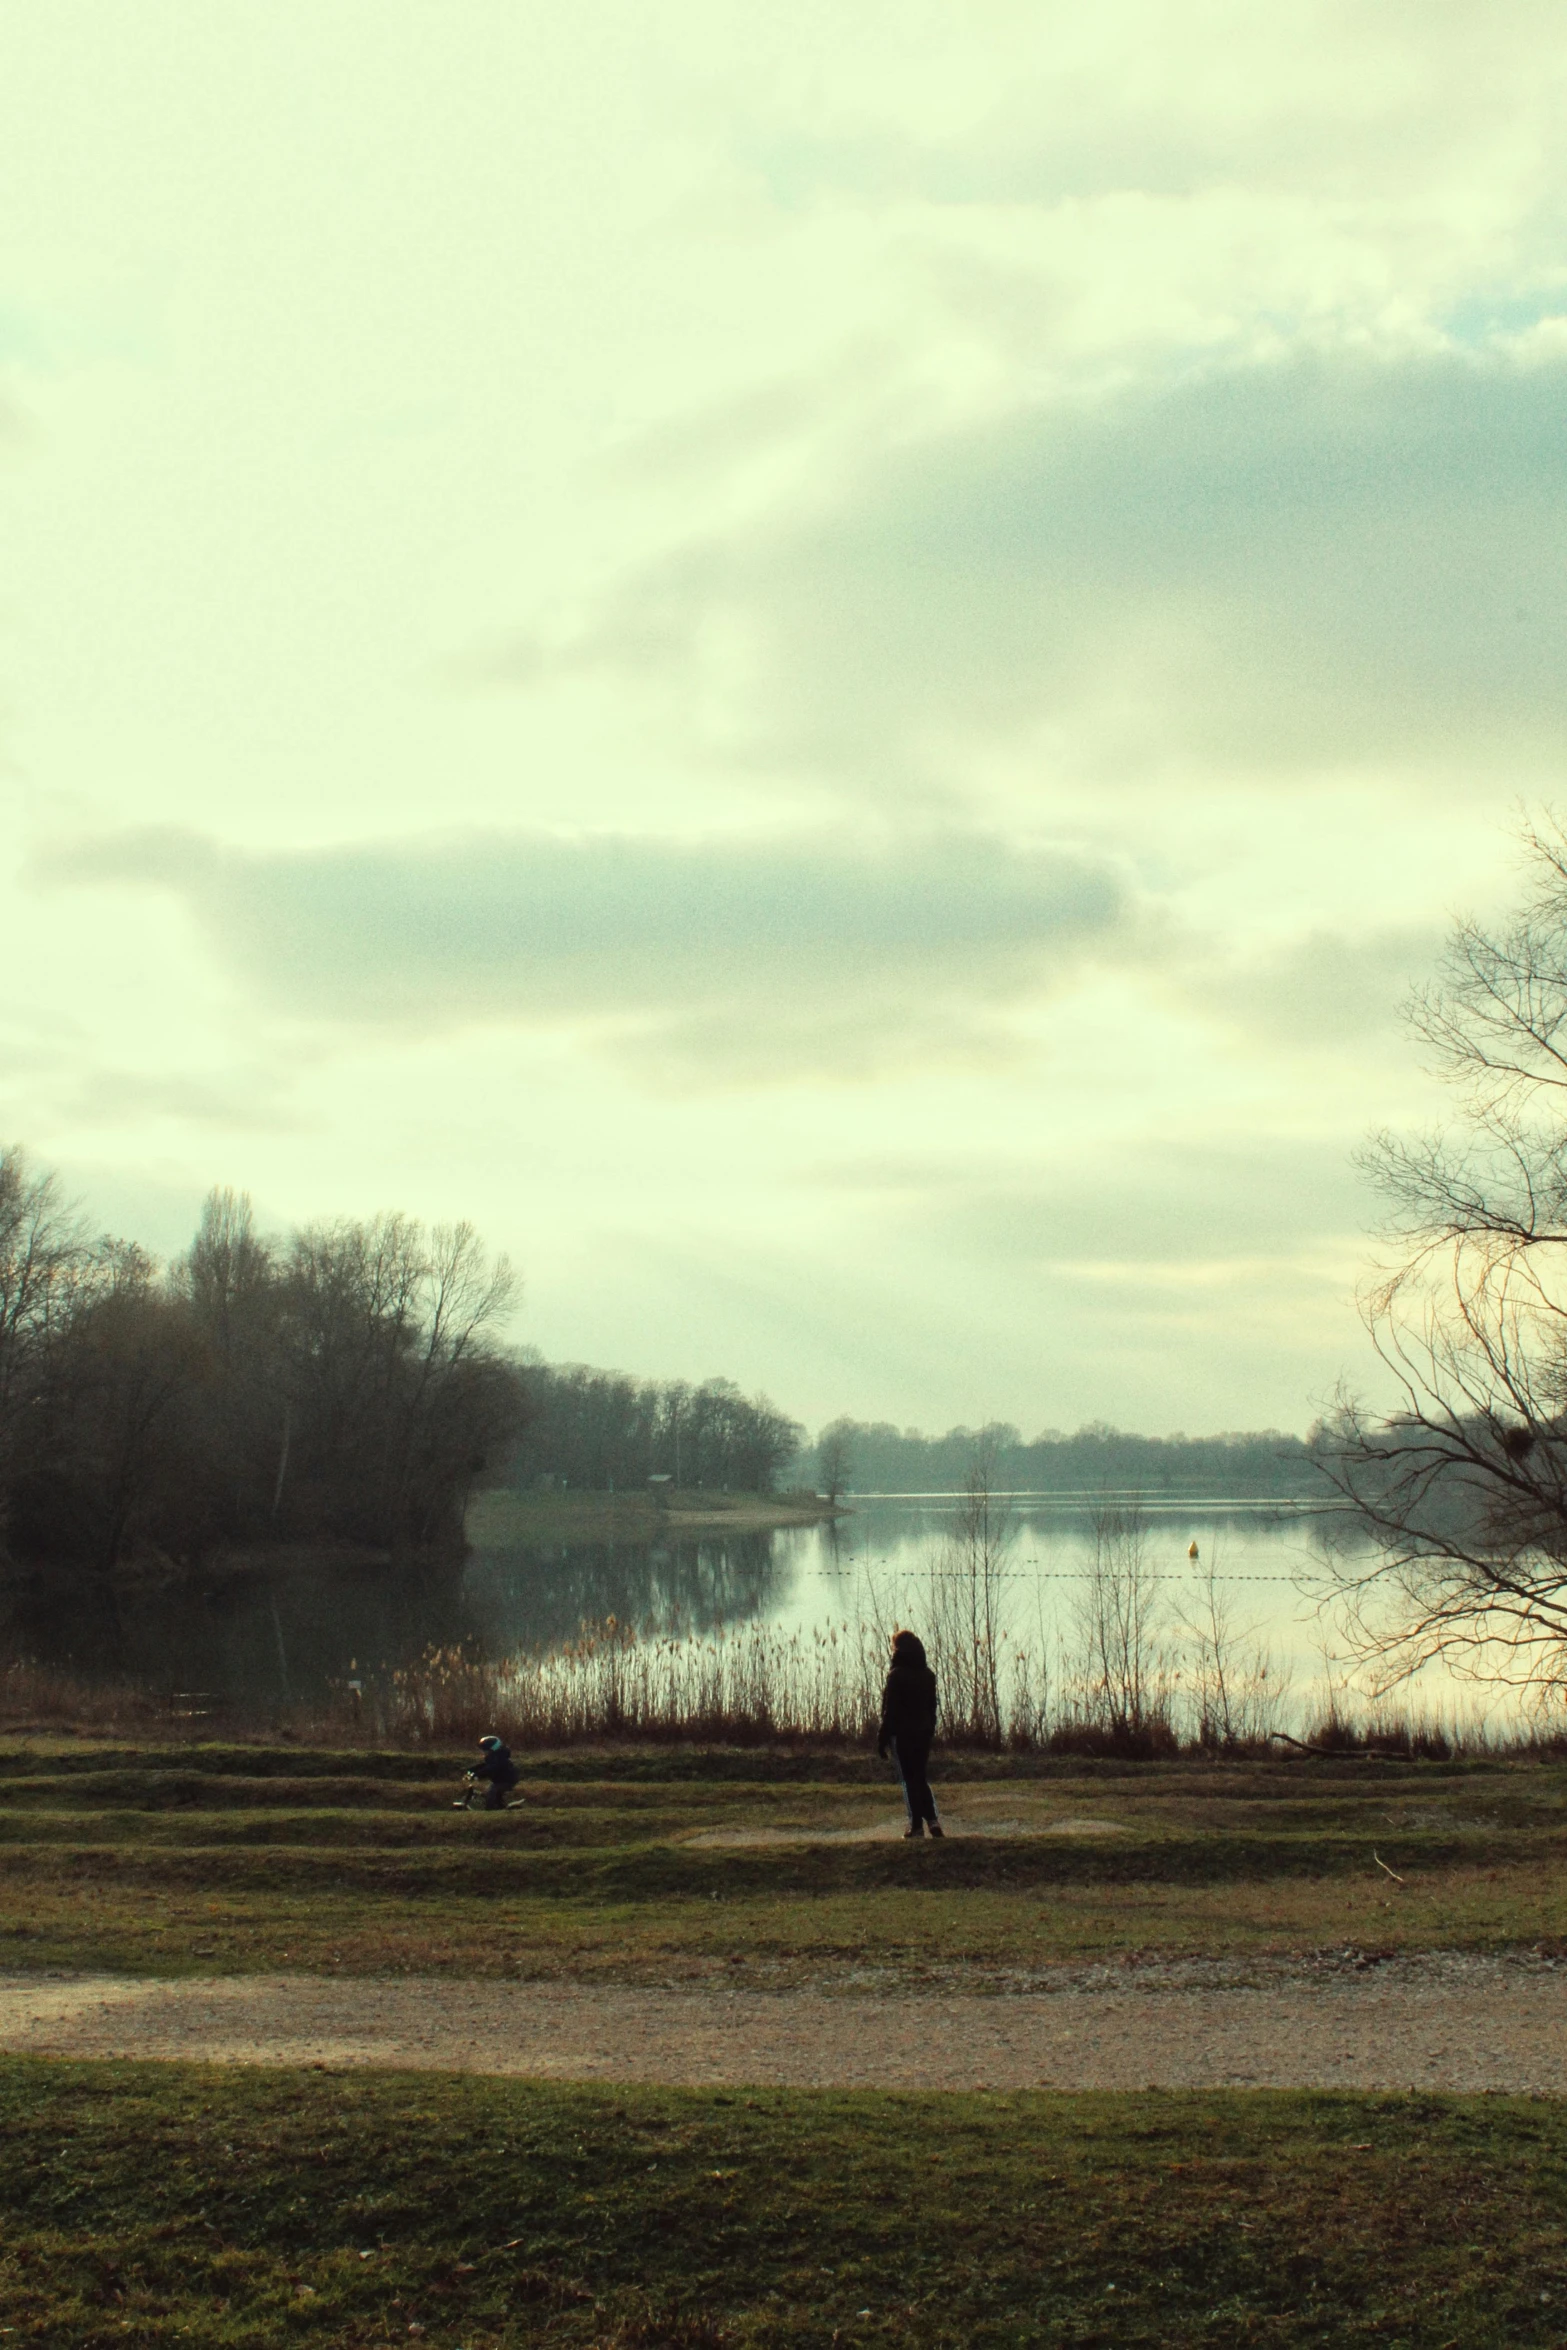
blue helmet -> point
(491, 1745)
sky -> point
(831, 667)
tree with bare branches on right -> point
(1463, 1488)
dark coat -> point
(498, 1768)
(908, 1703)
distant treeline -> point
(602, 1430)
(874, 1457)
(336, 1384)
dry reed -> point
(740, 1686)
(756, 1685)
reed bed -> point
(755, 1685)
(34, 1696)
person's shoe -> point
(918, 1829)
(936, 1828)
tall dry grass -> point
(34, 1696)
(756, 1685)
(751, 1686)
(746, 1685)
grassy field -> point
(664, 1864)
(168, 2203)
(155, 2204)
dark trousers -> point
(911, 1763)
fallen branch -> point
(1328, 1753)
(1386, 1871)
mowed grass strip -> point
(659, 1872)
(179, 1860)
(156, 2204)
(912, 1935)
(703, 1772)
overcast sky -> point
(829, 665)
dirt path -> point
(1441, 2023)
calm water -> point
(1264, 1556)
(269, 1639)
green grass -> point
(235, 1858)
(152, 2204)
(157, 2203)
(911, 1934)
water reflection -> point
(253, 1640)
(256, 1640)
(262, 1640)
(515, 1596)
(1269, 1559)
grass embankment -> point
(153, 2203)
(508, 1518)
(667, 1863)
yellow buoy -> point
(1191, 1550)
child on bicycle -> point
(495, 1772)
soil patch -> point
(890, 1831)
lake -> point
(258, 1641)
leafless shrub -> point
(966, 1611)
(1125, 1669)
(1235, 1691)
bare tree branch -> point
(1463, 1490)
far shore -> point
(495, 1519)
(509, 1516)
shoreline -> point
(501, 1517)
(504, 1515)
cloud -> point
(1320, 560)
(158, 1214)
(810, 954)
(1146, 1282)
(246, 1099)
(1178, 1203)
(1325, 990)
(1129, 97)
(1183, 1205)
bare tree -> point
(341, 1384)
(46, 1269)
(108, 1459)
(391, 1396)
(1235, 1689)
(967, 1599)
(1463, 1490)
(444, 1425)
(44, 1258)
(600, 1428)
(226, 1271)
(1124, 1663)
(834, 1459)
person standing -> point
(908, 1726)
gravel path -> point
(1451, 2023)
